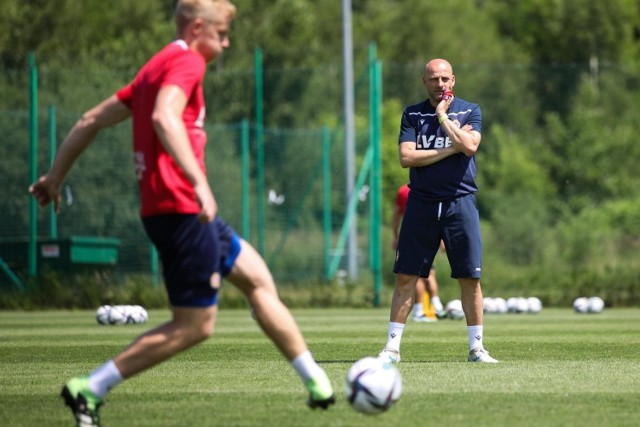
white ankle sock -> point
(305, 366)
(475, 336)
(395, 335)
(104, 378)
(437, 304)
(418, 309)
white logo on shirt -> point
(200, 121)
(138, 159)
(433, 142)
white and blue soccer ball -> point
(488, 305)
(102, 314)
(534, 305)
(372, 386)
(117, 315)
(517, 305)
(139, 314)
(454, 309)
(595, 305)
(135, 314)
(581, 304)
(501, 305)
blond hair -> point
(188, 10)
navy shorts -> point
(455, 221)
(194, 256)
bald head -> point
(438, 77)
(438, 65)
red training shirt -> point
(164, 188)
(401, 198)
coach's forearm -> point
(411, 158)
(466, 140)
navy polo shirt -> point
(451, 177)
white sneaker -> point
(389, 355)
(480, 355)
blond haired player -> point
(178, 210)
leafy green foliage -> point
(557, 81)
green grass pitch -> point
(557, 368)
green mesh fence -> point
(100, 195)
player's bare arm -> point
(108, 113)
(168, 124)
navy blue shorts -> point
(455, 221)
(194, 256)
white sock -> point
(475, 336)
(437, 304)
(305, 366)
(418, 309)
(104, 378)
(395, 335)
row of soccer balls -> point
(588, 305)
(512, 305)
(497, 305)
(121, 314)
(522, 305)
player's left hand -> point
(208, 204)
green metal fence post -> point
(53, 146)
(378, 184)
(260, 149)
(375, 258)
(246, 201)
(32, 267)
(326, 197)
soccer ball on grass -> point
(372, 385)
(102, 314)
(535, 305)
(501, 305)
(454, 309)
(117, 315)
(517, 305)
(595, 305)
(581, 304)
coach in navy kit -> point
(438, 141)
